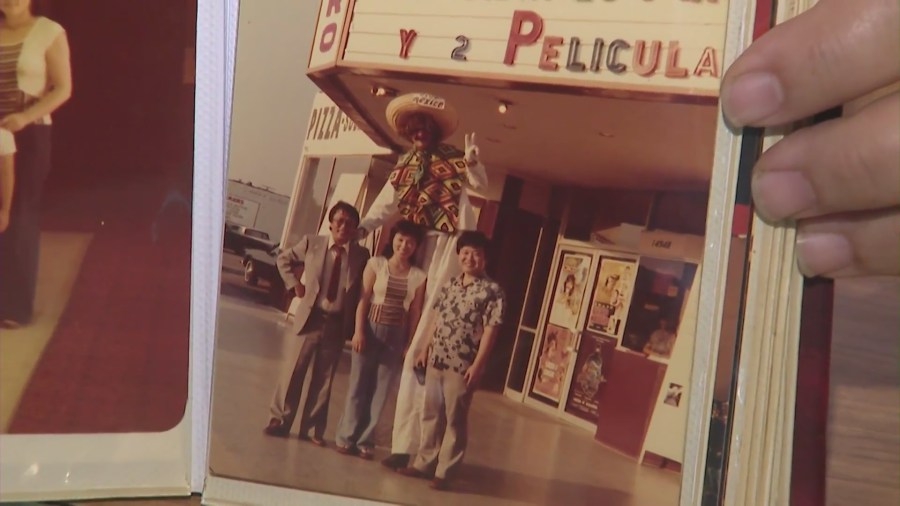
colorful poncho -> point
(429, 187)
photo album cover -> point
(392, 252)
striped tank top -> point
(391, 310)
(12, 99)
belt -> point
(325, 315)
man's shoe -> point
(316, 440)
(440, 484)
(412, 472)
(396, 461)
(276, 428)
(347, 450)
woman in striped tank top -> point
(35, 80)
(388, 312)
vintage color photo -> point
(96, 133)
(419, 223)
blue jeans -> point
(373, 373)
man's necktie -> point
(335, 279)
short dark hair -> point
(472, 239)
(347, 208)
(406, 228)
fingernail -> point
(782, 194)
(823, 253)
(751, 97)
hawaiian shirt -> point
(462, 312)
(429, 186)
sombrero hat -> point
(401, 108)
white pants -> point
(440, 262)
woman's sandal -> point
(366, 453)
(347, 450)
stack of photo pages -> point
(411, 252)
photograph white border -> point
(171, 463)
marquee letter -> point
(707, 63)
(612, 54)
(548, 53)
(459, 52)
(333, 6)
(646, 68)
(595, 56)
(572, 62)
(517, 38)
(329, 32)
(672, 68)
(406, 39)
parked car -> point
(259, 264)
(240, 239)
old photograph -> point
(462, 261)
(96, 157)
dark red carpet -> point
(118, 360)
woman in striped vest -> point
(389, 308)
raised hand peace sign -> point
(471, 149)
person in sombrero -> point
(428, 186)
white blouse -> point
(32, 65)
(414, 279)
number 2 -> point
(459, 52)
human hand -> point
(838, 179)
(4, 220)
(422, 358)
(471, 150)
(473, 375)
(358, 343)
(14, 122)
(299, 290)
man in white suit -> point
(325, 273)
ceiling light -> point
(383, 91)
(503, 107)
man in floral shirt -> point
(469, 311)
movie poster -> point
(612, 294)
(658, 302)
(553, 363)
(571, 283)
(595, 352)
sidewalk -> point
(516, 455)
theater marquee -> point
(667, 46)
